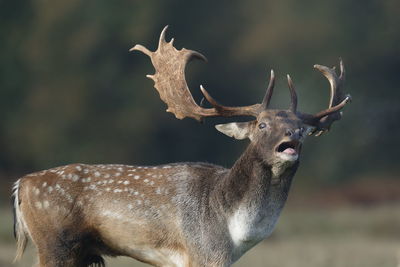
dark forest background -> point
(71, 92)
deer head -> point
(278, 134)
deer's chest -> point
(248, 227)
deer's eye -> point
(262, 125)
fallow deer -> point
(180, 214)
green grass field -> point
(364, 237)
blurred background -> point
(71, 92)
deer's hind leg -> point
(67, 249)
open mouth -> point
(290, 148)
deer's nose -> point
(289, 132)
(295, 134)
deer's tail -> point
(20, 229)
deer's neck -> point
(252, 197)
(254, 182)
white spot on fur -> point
(110, 181)
(112, 214)
(44, 184)
(75, 178)
(36, 191)
(97, 174)
(79, 168)
(146, 180)
(38, 205)
(69, 198)
(50, 189)
(166, 167)
(46, 204)
(117, 190)
(126, 182)
(136, 177)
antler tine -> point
(335, 82)
(342, 70)
(269, 92)
(142, 49)
(293, 95)
(333, 109)
(161, 41)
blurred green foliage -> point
(71, 92)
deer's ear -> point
(237, 130)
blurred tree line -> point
(71, 92)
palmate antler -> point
(170, 82)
